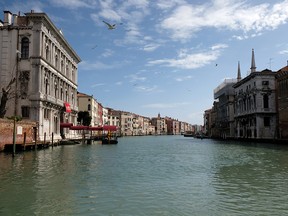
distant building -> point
(45, 67)
(126, 123)
(89, 104)
(114, 118)
(160, 125)
(105, 116)
(207, 122)
(224, 121)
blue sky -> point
(166, 56)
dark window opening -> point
(266, 101)
(266, 121)
(25, 112)
(25, 48)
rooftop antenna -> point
(270, 62)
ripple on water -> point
(163, 175)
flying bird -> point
(110, 26)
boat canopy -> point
(109, 127)
(66, 125)
(82, 127)
(79, 127)
(96, 128)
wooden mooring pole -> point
(24, 141)
(52, 141)
(14, 136)
(35, 137)
(44, 140)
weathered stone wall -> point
(6, 132)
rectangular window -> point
(25, 111)
(266, 121)
(46, 113)
(25, 48)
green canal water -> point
(153, 175)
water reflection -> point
(252, 179)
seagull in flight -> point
(111, 26)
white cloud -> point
(283, 52)
(148, 89)
(26, 7)
(107, 53)
(130, 12)
(97, 85)
(165, 5)
(136, 78)
(85, 65)
(185, 78)
(234, 15)
(186, 60)
(74, 4)
(150, 47)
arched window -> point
(66, 95)
(66, 71)
(61, 93)
(56, 89)
(56, 61)
(55, 124)
(47, 53)
(46, 85)
(72, 96)
(25, 48)
(62, 66)
(72, 75)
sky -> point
(165, 56)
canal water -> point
(151, 175)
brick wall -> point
(6, 132)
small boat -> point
(109, 139)
(69, 142)
(188, 135)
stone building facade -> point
(44, 65)
(224, 121)
(255, 105)
(282, 102)
(89, 104)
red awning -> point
(96, 128)
(66, 125)
(110, 128)
(67, 107)
(79, 127)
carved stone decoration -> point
(24, 78)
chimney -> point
(15, 19)
(7, 18)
